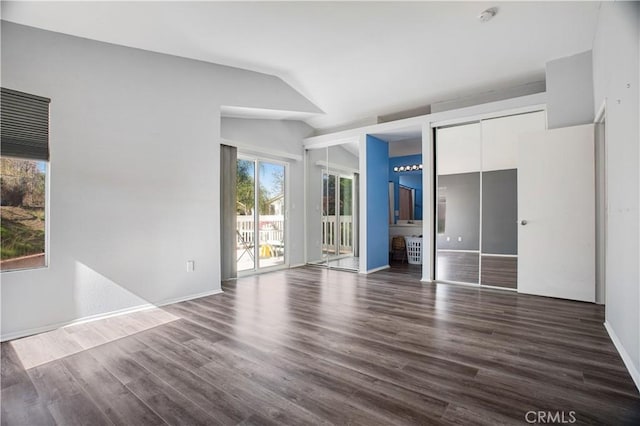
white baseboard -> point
(427, 281)
(371, 271)
(635, 375)
(37, 330)
(298, 265)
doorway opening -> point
(406, 209)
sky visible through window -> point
(271, 178)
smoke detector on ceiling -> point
(487, 14)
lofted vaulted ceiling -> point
(354, 60)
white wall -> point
(134, 173)
(570, 91)
(615, 74)
(284, 137)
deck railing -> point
(330, 234)
(271, 229)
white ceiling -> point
(354, 60)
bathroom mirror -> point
(405, 188)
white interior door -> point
(556, 209)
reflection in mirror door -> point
(328, 215)
(345, 243)
(458, 207)
(337, 218)
(332, 206)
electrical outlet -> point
(191, 265)
(459, 239)
(448, 238)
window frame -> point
(47, 213)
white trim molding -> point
(628, 362)
(254, 150)
(29, 332)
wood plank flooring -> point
(317, 346)
(463, 267)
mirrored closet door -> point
(332, 206)
(477, 204)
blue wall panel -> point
(377, 203)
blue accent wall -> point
(412, 179)
(377, 203)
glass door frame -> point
(257, 269)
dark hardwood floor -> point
(497, 271)
(317, 346)
(458, 266)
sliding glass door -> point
(261, 214)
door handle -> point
(523, 222)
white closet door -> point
(500, 138)
(556, 209)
